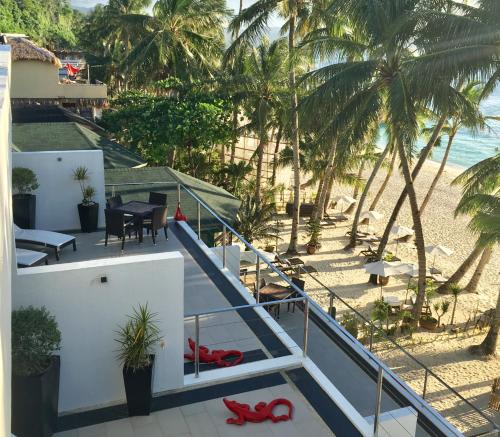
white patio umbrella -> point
(437, 249)
(383, 268)
(411, 270)
(371, 216)
(400, 232)
(344, 201)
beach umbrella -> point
(400, 232)
(435, 250)
(344, 201)
(383, 268)
(411, 270)
(371, 216)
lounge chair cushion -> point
(27, 258)
(37, 236)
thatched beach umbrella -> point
(383, 269)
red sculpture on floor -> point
(262, 412)
(218, 357)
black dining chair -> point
(157, 221)
(114, 202)
(117, 226)
(300, 283)
(157, 198)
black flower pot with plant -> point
(137, 339)
(89, 216)
(139, 388)
(88, 210)
(35, 373)
(24, 181)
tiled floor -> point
(208, 419)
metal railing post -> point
(179, 194)
(199, 221)
(224, 255)
(371, 336)
(257, 279)
(330, 307)
(113, 191)
(306, 325)
(380, 381)
(197, 347)
(426, 377)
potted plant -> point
(24, 181)
(313, 228)
(137, 339)
(35, 372)
(88, 210)
(428, 322)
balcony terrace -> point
(304, 353)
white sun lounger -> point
(37, 237)
(29, 258)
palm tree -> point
(181, 38)
(481, 199)
(254, 220)
(385, 182)
(471, 286)
(472, 119)
(256, 18)
(455, 291)
(385, 84)
(263, 85)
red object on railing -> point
(178, 214)
(72, 71)
(262, 412)
(218, 357)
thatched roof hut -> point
(25, 50)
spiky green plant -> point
(138, 338)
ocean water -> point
(469, 148)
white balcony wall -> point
(6, 237)
(58, 194)
(89, 311)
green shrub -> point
(138, 338)
(24, 180)
(35, 337)
(350, 323)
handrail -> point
(242, 307)
(310, 301)
(402, 349)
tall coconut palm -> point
(263, 85)
(473, 119)
(384, 84)
(256, 17)
(182, 38)
(481, 199)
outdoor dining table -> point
(275, 291)
(139, 210)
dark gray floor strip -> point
(328, 410)
(108, 414)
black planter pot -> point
(24, 210)
(139, 389)
(89, 215)
(34, 402)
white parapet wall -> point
(89, 309)
(7, 257)
(58, 194)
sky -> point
(231, 4)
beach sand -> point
(445, 353)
